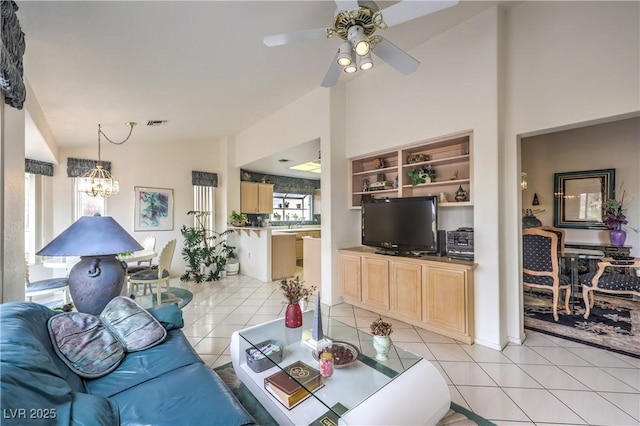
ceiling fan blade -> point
(408, 10)
(306, 35)
(333, 73)
(347, 4)
(396, 57)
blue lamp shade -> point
(91, 236)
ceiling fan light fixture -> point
(359, 40)
(365, 62)
(351, 68)
(344, 57)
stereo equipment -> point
(460, 244)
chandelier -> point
(98, 181)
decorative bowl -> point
(344, 354)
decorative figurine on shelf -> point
(378, 163)
(461, 194)
(395, 183)
(455, 175)
(365, 185)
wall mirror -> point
(580, 198)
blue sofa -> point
(167, 384)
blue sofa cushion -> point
(192, 395)
(94, 346)
(92, 410)
(138, 367)
(170, 316)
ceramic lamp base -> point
(94, 281)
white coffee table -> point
(405, 390)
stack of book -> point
(294, 383)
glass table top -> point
(349, 385)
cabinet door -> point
(445, 298)
(265, 198)
(405, 284)
(375, 282)
(248, 197)
(349, 276)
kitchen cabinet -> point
(283, 260)
(256, 198)
(431, 292)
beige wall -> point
(614, 145)
(567, 64)
(455, 89)
(149, 165)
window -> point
(292, 207)
(203, 201)
(86, 205)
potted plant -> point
(294, 291)
(205, 251)
(238, 219)
(614, 217)
(381, 330)
(233, 264)
(424, 174)
(276, 216)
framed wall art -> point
(580, 198)
(153, 209)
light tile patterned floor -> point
(546, 381)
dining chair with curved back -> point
(540, 267)
(51, 285)
(559, 233)
(158, 276)
(610, 281)
(148, 245)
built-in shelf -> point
(451, 158)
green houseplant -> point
(420, 174)
(238, 219)
(205, 251)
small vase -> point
(293, 316)
(617, 237)
(382, 344)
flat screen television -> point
(401, 226)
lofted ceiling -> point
(200, 65)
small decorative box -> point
(264, 355)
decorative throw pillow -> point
(94, 346)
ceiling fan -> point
(355, 23)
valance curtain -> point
(11, 52)
(283, 184)
(204, 179)
(38, 167)
(77, 167)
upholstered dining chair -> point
(559, 233)
(157, 277)
(609, 281)
(148, 245)
(540, 266)
(51, 285)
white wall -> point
(566, 63)
(11, 203)
(455, 89)
(148, 165)
(614, 145)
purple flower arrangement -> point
(614, 213)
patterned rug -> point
(457, 415)
(614, 323)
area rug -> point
(613, 324)
(457, 415)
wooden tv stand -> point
(431, 292)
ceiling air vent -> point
(156, 123)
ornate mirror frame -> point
(580, 197)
